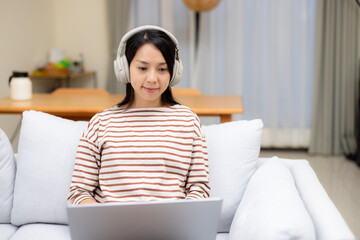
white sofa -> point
(262, 198)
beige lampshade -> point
(201, 5)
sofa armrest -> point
(271, 207)
(328, 222)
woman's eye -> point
(163, 69)
(142, 68)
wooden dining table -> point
(83, 107)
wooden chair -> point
(186, 92)
(80, 91)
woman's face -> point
(149, 76)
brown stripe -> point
(147, 126)
(198, 164)
(144, 121)
(86, 166)
(150, 136)
(87, 154)
(149, 146)
(73, 197)
(199, 186)
(92, 129)
(196, 195)
(142, 189)
(87, 160)
(136, 177)
(143, 152)
(183, 114)
(197, 151)
(143, 195)
(144, 131)
(144, 141)
(82, 183)
(107, 160)
(146, 165)
(200, 157)
(146, 183)
(85, 140)
(82, 171)
(142, 171)
(198, 176)
(83, 177)
(197, 170)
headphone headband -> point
(121, 67)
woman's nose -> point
(152, 77)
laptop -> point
(153, 220)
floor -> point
(340, 178)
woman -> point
(148, 147)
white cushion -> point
(46, 155)
(222, 236)
(233, 150)
(271, 207)
(6, 231)
(7, 177)
(41, 231)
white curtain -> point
(260, 49)
(263, 50)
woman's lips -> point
(150, 90)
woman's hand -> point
(88, 201)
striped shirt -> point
(141, 154)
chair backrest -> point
(80, 91)
(186, 92)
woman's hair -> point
(167, 48)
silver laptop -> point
(154, 220)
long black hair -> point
(167, 48)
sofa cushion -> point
(233, 150)
(7, 230)
(7, 177)
(271, 207)
(46, 154)
(222, 236)
(40, 231)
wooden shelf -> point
(65, 75)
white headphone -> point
(121, 66)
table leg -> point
(225, 118)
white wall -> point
(29, 29)
(81, 26)
(26, 29)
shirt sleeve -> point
(197, 186)
(85, 176)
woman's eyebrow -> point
(144, 62)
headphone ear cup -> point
(125, 77)
(121, 69)
(177, 73)
(117, 70)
